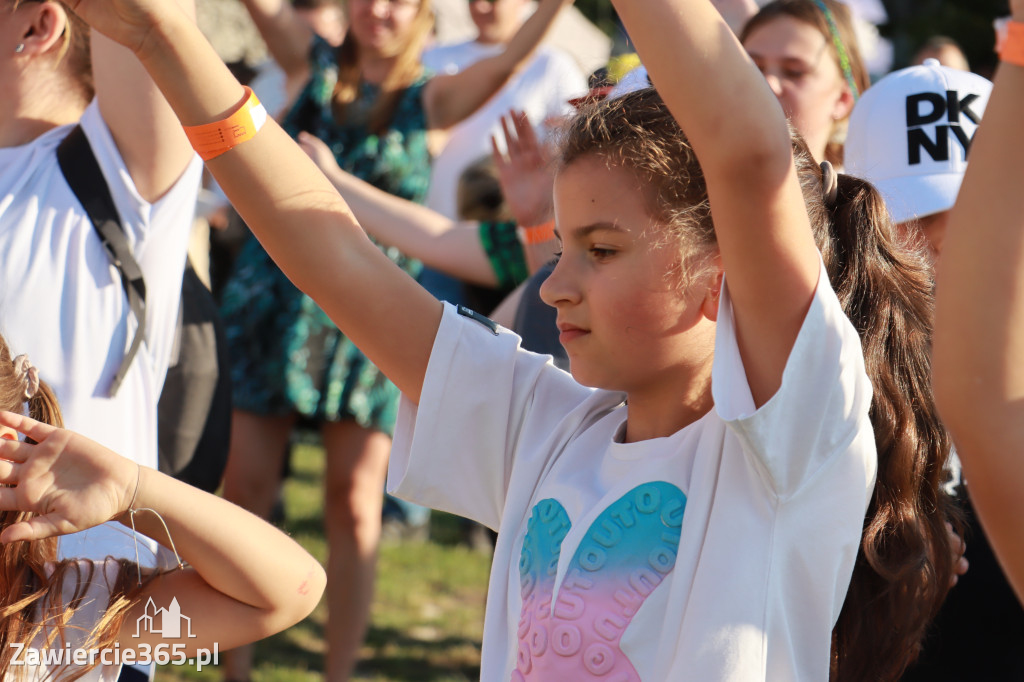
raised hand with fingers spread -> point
(525, 171)
(67, 481)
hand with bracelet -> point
(527, 182)
(245, 579)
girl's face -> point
(623, 319)
(383, 27)
(800, 69)
(496, 20)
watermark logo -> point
(164, 622)
(169, 623)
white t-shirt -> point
(542, 89)
(721, 552)
(100, 575)
(62, 302)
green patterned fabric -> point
(502, 246)
(287, 355)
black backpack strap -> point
(83, 175)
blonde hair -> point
(403, 73)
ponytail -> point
(905, 566)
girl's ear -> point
(844, 105)
(44, 27)
(709, 307)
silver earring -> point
(20, 48)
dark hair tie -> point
(829, 184)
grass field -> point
(428, 614)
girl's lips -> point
(569, 333)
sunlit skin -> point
(802, 72)
(382, 27)
(496, 21)
(623, 319)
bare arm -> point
(288, 38)
(739, 133)
(451, 98)
(245, 580)
(447, 245)
(979, 321)
(147, 133)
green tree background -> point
(911, 23)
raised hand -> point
(69, 482)
(524, 171)
(129, 22)
(318, 150)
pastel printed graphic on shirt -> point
(625, 554)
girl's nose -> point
(560, 287)
(775, 83)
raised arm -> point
(739, 134)
(245, 579)
(146, 132)
(979, 320)
(451, 246)
(288, 38)
(287, 202)
(452, 98)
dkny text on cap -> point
(910, 134)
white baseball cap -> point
(909, 135)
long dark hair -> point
(905, 564)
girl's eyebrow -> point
(586, 230)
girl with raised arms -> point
(735, 482)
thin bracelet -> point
(1012, 49)
(135, 535)
(537, 234)
(211, 140)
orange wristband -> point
(1012, 49)
(537, 234)
(211, 140)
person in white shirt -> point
(60, 296)
(542, 89)
(689, 503)
(82, 617)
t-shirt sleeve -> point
(821, 409)
(157, 232)
(482, 396)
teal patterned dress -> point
(287, 356)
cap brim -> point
(916, 196)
